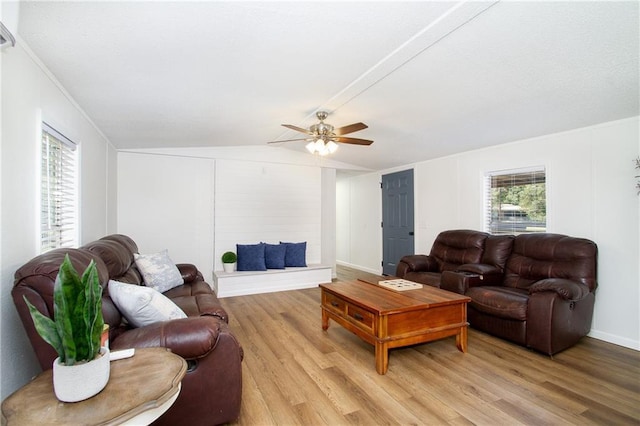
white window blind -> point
(515, 201)
(59, 218)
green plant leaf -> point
(94, 321)
(65, 296)
(46, 328)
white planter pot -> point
(81, 381)
(229, 267)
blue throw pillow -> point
(251, 257)
(274, 255)
(296, 254)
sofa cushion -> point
(539, 256)
(142, 306)
(504, 302)
(428, 278)
(117, 258)
(457, 247)
(201, 304)
(497, 249)
(274, 255)
(251, 257)
(296, 254)
(158, 271)
(123, 240)
(197, 299)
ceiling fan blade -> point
(350, 128)
(291, 140)
(296, 128)
(354, 141)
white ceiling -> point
(429, 78)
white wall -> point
(590, 193)
(166, 202)
(198, 205)
(258, 201)
(31, 94)
(359, 235)
(328, 218)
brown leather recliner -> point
(212, 388)
(450, 250)
(545, 298)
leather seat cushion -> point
(504, 302)
(426, 278)
(196, 299)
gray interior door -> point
(397, 219)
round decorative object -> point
(229, 267)
(81, 381)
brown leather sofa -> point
(544, 299)
(537, 290)
(212, 388)
(450, 250)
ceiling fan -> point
(323, 138)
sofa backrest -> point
(118, 257)
(457, 247)
(539, 256)
(36, 280)
(113, 256)
(497, 249)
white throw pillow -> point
(158, 271)
(143, 305)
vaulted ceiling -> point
(429, 78)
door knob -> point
(411, 233)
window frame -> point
(68, 161)
(487, 213)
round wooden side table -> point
(140, 389)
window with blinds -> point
(59, 217)
(515, 201)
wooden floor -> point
(296, 374)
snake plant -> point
(77, 309)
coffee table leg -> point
(382, 358)
(461, 340)
(325, 320)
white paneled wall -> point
(590, 193)
(267, 202)
(166, 202)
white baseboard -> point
(615, 339)
(361, 268)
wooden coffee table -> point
(390, 319)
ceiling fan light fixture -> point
(311, 147)
(322, 138)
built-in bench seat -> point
(240, 283)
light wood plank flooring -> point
(296, 374)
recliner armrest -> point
(421, 263)
(489, 274)
(189, 272)
(459, 282)
(567, 289)
(191, 338)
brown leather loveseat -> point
(537, 290)
(212, 388)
